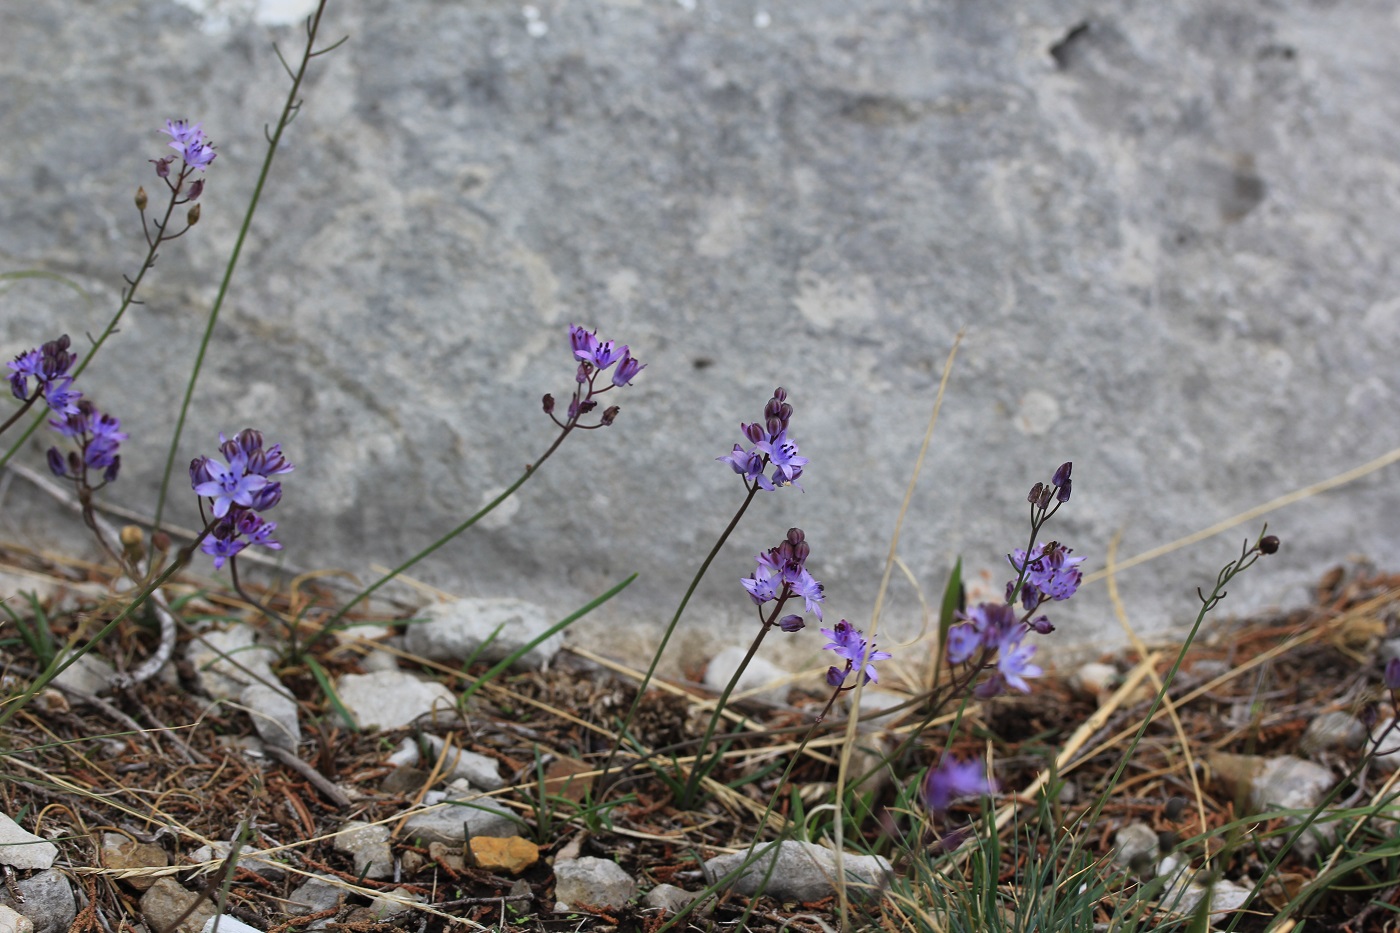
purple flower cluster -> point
(771, 447)
(954, 778)
(782, 574)
(595, 357)
(1050, 573)
(97, 435)
(238, 491)
(850, 643)
(48, 366)
(189, 141)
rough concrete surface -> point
(1169, 230)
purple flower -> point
(782, 453)
(748, 464)
(963, 642)
(761, 589)
(1392, 674)
(1013, 663)
(849, 642)
(98, 437)
(811, 592)
(627, 369)
(229, 486)
(238, 492)
(48, 366)
(222, 547)
(190, 143)
(771, 447)
(1050, 574)
(952, 779)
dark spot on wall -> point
(1066, 51)
(702, 362)
(874, 110)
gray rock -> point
(1093, 679)
(228, 660)
(1135, 847)
(274, 715)
(11, 921)
(1332, 730)
(166, 901)
(669, 898)
(406, 755)
(1289, 783)
(270, 867)
(482, 816)
(48, 901)
(1385, 735)
(313, 896)
(391, 699)
(761, 675)
(91, 674)
(597, 882)
(1185, 891)
(805, 872)
(1182, 203)
(477, 770)
(368, 844)
(392, 904)
(458, 630)
(19, 848)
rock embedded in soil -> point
(19, 848)
(1280, 783)
(120, 852)
(313, 896)
(482, 816)
(669, 898)
(248, 858)
(167, 900)
(804, 872)
(1136, 847)
(227, 924)
(761, 675)
(368, 845)
(387, 905)
(227, 660)
(48, 901)
(1335, 730)
(89, 674)
(274, 715)
(597, 882)
(11, 921)
(478, 770)
(510, 854)
(457, 630)
(392, 699)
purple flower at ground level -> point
(850, 643)
(963, 642)
(1013, 663)
(952, 779)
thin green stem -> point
(666, 636)
(289, 109)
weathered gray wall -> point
(1171, 242)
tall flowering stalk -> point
(603, 367)
(771, 449)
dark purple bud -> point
(110, 474)
(1268, 544)
(163, 166)
(548, 404)
(792, 623)
(754, 432)
(1042, 625)
(75, 464)
(199, 471)
(196, 190)
(795, 536)
(18, 387)
(772, 409)
(835, 676)
(56, 466)
(1045, 495)
(1061, 477)
(785, 413)
(1369, 716)
(1034, 497)
(1062, 491)
(1392, 674)
(780, 394)
(581, 377)
(587, 405)
(610, 414)
(266, 497)
(774, 426)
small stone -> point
(274, 715)
(668, 898)
(770, 680)
(19, 848)
(448, 856)
(368, 844)
(479, 771)
(510, 854)
(406, 755)
(391, 699)
(598, 882)
(411, 863)
(1136, 848)
(313, 896)
(227, 924)
(403, 782)
(391, 904)
(1094, 680)
(219, 678)
(804, 872)
(482, 816)
(1388, 735)
(1335, 730)
(458, 630)
(119, 852)
(48, 901)
(1288, 783)
(166, 900)
(248, 859)
(90, 674)
(12, 921)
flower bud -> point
(1035, 492)
(581, 376)
(56, 466)
(587, 405)
(1061, 477)
(1045, 495)
(835, 676)
(780, 394)
(1062, 491)
(192, 217)
(160, 541)
(774, 425)
(610, 414)
(141, 199)
(792, 623)
(109, 475)
(548, 404)
(795, 536)
(196, 190)
(133, 541)
(785, 413)
(754, 432)
(1268, 544)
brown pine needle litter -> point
(164, 765)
